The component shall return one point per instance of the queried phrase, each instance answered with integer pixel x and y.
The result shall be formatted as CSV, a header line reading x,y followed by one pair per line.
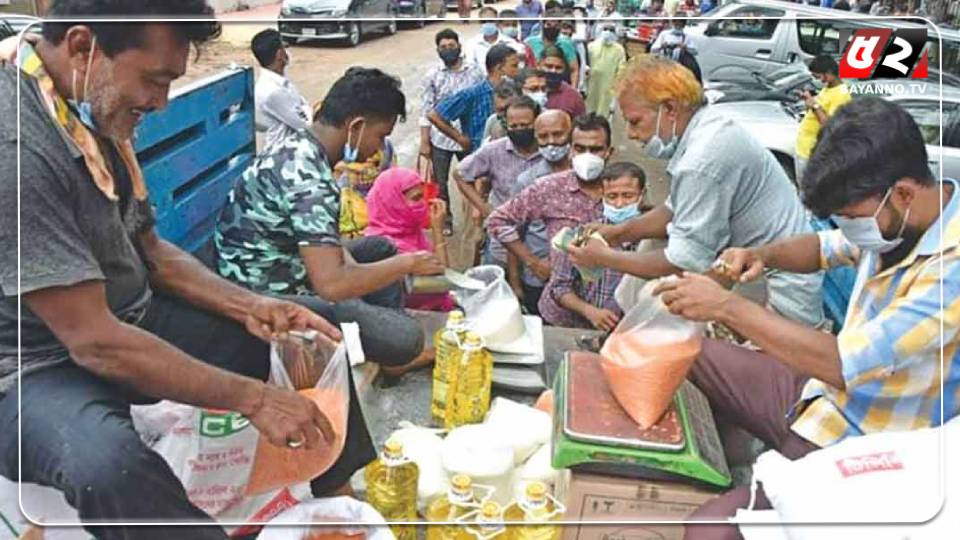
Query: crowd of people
x,y
324,226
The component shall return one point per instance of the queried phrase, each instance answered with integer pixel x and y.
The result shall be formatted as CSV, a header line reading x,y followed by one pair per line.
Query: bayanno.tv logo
x,y
883,53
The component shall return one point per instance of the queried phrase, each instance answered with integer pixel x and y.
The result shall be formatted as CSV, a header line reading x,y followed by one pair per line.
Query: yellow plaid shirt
x,y
890,345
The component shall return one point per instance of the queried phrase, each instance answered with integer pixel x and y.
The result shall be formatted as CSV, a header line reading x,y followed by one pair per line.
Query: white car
x,y
775,124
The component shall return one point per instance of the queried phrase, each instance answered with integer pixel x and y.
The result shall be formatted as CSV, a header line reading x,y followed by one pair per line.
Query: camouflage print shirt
x,y
286,199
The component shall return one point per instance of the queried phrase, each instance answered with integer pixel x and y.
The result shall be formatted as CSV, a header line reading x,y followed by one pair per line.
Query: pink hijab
x,y
391,215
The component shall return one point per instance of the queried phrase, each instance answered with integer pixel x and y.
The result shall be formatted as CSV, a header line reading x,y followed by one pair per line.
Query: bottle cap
x,y
455,317
472,340
461,482
536,491
490,510
393,449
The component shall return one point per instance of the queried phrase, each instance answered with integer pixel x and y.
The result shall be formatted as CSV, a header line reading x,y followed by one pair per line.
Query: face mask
x,y
608,36
350,152
450,56
618,215
864,232
551,34
554,153
540,98
521,138
554,79
588,166
82,106
511,31
489,29
418,211
655,147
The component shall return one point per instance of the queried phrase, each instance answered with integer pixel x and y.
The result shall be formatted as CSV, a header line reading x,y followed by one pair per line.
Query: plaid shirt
x,y
890,345
471,106
565,278
440,83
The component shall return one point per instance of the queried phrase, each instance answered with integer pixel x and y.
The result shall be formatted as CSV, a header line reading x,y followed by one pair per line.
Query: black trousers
x,y
78,436
441,170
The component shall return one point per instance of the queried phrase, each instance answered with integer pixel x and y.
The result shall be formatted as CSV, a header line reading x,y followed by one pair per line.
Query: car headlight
x,y
338,12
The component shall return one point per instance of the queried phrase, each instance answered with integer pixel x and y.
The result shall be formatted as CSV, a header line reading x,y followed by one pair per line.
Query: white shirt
x,y
668,38
477,49
278,105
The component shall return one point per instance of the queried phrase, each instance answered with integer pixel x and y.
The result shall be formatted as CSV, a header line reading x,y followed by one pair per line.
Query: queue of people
x,y
113,315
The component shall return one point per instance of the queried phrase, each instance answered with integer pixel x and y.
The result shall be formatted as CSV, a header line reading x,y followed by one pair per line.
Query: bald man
x,y
552,130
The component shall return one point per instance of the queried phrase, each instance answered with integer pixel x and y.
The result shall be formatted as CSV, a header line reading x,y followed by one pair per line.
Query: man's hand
x,y
602,319
610,233
438,213
289,419
426,150
588,255
464,142
423,263
694,296
740,264
271,317
541,269
809,99
477,217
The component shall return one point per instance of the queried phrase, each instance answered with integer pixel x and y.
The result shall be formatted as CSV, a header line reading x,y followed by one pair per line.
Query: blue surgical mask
x,y
655,147
350,152
489,29
618,215
608,36
864,232
83,107
511,31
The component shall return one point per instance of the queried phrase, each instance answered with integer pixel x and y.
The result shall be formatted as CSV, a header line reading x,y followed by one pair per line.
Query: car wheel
x,y
422,13
354,34
287,41
392,27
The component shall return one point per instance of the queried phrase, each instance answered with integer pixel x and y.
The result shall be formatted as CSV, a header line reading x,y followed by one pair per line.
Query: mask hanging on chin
x,y
352,153
618,215
865,233
81,106
655,147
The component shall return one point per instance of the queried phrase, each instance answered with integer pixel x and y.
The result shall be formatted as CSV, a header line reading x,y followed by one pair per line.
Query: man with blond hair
x,y
726,190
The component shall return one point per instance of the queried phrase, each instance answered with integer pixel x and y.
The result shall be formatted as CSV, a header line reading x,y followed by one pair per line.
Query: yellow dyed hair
x,y
655,79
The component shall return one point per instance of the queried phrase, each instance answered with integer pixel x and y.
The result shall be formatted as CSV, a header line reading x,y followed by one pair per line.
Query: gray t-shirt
x,y
727,190
69,231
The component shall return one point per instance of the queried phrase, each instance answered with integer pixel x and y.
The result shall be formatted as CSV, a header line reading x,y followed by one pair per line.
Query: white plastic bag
x,y
422,446
483,455
537,469
647,357
494,313
524,428
357,518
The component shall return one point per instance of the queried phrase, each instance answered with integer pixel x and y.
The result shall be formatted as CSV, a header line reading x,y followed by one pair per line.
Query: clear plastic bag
x,y
647,357
317,368
494,313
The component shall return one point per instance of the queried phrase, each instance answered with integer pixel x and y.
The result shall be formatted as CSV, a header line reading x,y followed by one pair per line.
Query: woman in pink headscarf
x,y
397,210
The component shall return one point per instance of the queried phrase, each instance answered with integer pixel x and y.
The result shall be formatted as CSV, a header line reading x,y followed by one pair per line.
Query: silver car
x,y
775,124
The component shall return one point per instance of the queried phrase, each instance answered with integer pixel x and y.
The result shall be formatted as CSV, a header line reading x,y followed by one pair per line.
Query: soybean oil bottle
x,y
488,524
392,488
459,501
468,394
535,508
445,341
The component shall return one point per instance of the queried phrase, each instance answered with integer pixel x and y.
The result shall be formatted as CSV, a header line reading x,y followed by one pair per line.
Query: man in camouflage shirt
x,y
278,233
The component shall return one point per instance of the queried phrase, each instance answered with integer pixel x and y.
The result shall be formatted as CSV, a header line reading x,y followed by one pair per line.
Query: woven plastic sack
x,y
355,521
647,357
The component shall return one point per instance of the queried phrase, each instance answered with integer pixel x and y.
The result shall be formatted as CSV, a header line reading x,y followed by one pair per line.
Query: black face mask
x,y
553,80
550,34
521,138
450,56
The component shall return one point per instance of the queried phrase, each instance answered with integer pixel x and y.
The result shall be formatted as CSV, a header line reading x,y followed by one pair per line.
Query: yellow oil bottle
x,y
468,394
536,508
459,501
488,524
392,489
445,341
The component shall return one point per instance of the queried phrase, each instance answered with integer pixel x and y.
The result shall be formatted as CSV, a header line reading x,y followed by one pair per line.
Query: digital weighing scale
x,y
592,432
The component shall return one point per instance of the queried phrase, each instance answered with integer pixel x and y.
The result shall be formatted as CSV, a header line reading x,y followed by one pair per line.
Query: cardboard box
x,y
595,498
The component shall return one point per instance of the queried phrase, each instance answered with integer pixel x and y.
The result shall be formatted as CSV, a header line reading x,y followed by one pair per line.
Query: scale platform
x,y
592,432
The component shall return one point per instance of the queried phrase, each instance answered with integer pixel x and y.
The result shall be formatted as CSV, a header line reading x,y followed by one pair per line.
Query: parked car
x,y
336,19
12,24
420,9
775,124
784,84
731,48
453,4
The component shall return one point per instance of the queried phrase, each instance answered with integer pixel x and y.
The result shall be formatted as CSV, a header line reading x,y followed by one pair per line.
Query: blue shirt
x,y
471,106
533,10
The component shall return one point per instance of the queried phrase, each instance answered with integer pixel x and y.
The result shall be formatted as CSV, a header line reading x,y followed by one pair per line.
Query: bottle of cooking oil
x,y
536,508
489,524
468,394
445,342
458,502
392,488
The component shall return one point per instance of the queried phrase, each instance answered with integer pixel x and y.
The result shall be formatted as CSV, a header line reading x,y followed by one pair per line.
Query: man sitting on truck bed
x,y
111,314
279,231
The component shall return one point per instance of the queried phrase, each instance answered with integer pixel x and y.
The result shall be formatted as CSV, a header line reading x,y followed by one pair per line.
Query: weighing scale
x,y
592,432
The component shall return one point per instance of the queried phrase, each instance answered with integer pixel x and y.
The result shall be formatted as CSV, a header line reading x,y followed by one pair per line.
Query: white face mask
x,y
540,98
864,232
655,147
588,166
